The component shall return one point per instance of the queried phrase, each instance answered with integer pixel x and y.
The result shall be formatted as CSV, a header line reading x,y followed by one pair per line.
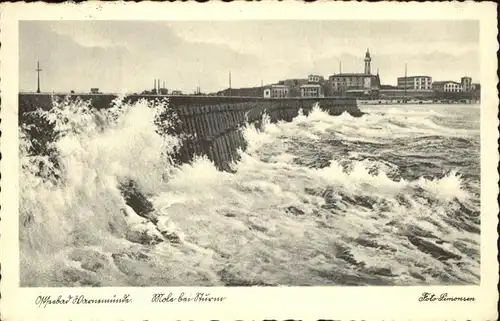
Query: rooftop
x,y
353,74
445,82
415,77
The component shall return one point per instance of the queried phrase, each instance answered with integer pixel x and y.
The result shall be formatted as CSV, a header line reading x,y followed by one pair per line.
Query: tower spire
x,y
38,76
368,60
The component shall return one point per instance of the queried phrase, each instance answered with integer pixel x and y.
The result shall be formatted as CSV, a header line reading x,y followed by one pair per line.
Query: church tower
x,y
368,60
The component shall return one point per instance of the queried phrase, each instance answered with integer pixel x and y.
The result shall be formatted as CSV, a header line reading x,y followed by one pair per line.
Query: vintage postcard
x,y
249,161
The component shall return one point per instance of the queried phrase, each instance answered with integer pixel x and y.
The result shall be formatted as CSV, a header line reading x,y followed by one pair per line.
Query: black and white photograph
x,y
233,159
249,153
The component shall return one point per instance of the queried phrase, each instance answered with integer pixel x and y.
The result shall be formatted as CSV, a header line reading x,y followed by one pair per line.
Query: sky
x,y
126,56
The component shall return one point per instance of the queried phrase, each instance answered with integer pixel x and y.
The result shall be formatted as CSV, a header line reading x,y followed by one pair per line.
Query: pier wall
x,y
209,125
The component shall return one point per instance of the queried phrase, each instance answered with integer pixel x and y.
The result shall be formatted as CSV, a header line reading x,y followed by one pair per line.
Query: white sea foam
x,y
273,221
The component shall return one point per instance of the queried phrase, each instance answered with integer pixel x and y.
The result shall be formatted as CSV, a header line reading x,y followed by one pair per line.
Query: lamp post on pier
x,y
38,76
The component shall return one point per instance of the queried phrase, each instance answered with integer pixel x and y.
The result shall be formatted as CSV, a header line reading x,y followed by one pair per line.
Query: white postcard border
x,y
299,303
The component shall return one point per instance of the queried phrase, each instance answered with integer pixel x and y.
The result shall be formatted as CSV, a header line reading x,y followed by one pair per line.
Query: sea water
x,y
389,198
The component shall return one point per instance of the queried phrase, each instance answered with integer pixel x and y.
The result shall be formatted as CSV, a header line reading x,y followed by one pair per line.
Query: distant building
x,y
311,90
415,83
293,85
315,79
176,93
276,91
354,81
280,91
447,86
475,87
94,90
466,83
362,82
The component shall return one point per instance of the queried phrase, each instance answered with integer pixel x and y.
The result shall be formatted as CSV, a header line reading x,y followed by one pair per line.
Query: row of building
x,y
426,83
363,84
316,86
283,91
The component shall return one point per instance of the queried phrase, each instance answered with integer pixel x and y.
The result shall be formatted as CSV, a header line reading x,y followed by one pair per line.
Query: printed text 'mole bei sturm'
x,y
183,297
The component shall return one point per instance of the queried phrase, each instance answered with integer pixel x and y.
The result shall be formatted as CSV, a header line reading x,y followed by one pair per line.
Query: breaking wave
x,y
391,198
